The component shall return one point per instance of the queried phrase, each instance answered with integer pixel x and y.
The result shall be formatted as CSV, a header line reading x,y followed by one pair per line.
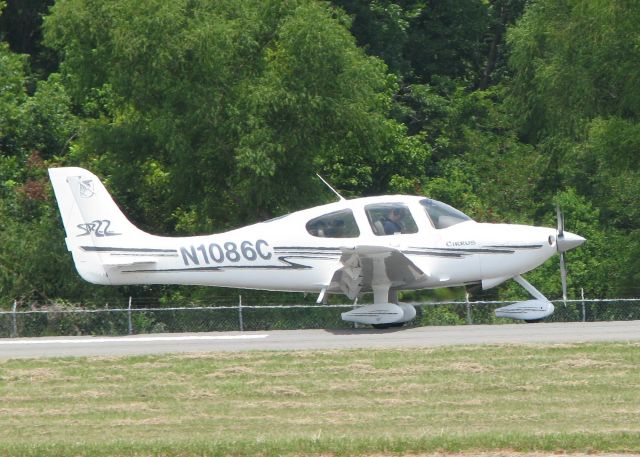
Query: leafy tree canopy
x,y
219,105
208,115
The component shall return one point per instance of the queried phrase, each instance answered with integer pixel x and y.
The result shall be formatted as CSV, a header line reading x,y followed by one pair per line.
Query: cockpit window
x,y
390,219
340,224
443,215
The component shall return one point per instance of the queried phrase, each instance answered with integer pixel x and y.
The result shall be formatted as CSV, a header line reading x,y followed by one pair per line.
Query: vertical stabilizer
x,y
92,221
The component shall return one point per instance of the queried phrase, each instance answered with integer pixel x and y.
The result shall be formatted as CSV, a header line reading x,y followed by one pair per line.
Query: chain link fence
x,y
58,320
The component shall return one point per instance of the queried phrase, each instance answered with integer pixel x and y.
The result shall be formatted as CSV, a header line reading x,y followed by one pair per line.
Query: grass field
x,y
583,397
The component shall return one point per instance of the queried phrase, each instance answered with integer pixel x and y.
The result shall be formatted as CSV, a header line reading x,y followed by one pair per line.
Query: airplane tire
x,y
384,326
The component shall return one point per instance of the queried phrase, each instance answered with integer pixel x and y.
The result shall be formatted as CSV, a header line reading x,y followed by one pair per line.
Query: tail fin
x,y
93,222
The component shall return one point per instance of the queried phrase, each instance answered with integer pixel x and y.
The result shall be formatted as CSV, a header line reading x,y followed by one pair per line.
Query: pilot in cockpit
x,y
392,223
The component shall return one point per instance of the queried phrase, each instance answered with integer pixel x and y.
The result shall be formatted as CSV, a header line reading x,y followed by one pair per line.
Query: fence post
x,y
129,317
469,318
240,313
584,312
14,321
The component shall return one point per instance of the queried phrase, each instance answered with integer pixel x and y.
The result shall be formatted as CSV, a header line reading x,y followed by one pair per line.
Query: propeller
x,y
564,242
559,239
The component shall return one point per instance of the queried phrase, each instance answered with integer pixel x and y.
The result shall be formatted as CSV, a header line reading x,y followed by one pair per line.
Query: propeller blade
x,y
563,276
565,242
560,217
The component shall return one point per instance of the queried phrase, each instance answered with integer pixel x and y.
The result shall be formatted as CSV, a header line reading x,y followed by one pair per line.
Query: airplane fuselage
x,y
283,254
374,244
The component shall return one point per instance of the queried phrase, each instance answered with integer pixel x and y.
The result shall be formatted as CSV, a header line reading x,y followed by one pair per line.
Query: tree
x,y
575,90
574,61
34,131
223,111
422,40
20,27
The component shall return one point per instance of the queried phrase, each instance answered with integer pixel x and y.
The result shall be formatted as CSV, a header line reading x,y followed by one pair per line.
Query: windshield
x,y
443,215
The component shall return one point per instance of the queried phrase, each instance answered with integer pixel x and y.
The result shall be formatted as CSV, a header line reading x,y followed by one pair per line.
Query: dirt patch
x,y
361,368
582,362
144,421
137,406
18,411
151,365
231,371
284,391
31,375
470,367
199,394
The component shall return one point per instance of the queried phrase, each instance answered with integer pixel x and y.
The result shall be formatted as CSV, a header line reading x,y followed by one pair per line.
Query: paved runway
x,y
546,333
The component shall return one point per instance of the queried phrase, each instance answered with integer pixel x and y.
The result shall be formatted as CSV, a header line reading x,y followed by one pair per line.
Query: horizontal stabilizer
x,y
128,264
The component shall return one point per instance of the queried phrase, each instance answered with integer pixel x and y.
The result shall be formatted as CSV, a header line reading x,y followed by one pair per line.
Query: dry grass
x,y
544,398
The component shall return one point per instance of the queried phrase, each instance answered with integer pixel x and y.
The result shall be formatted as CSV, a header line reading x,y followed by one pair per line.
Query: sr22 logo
x,y
99,228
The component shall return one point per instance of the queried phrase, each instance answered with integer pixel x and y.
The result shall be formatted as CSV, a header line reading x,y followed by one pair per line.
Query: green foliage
x,y
20,27
575,91
12,95
423,41
382,28
226,98
573,61
35,130
471,137
441,315
605,166
204,116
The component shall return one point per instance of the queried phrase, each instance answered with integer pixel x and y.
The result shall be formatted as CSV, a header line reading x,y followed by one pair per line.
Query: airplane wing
x,y
365,266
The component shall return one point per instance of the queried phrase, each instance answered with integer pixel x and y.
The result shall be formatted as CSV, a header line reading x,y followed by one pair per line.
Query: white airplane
x,y
375,244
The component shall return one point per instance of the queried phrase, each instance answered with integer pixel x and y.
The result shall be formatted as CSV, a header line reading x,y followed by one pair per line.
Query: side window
x,y
340,224
390,218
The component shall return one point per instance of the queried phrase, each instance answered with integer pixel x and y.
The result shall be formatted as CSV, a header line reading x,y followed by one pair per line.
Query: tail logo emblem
x,y
99,228
86,188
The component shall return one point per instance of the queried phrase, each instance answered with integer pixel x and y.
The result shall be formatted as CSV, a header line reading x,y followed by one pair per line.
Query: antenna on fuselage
x,y
329,186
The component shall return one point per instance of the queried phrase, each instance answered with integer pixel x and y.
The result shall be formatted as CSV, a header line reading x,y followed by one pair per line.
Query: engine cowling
x,y
529,310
